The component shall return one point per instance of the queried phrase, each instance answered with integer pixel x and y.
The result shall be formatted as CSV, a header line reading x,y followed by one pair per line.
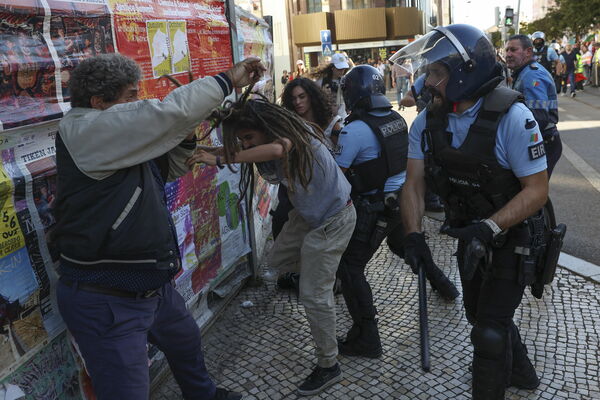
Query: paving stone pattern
x,y
264,351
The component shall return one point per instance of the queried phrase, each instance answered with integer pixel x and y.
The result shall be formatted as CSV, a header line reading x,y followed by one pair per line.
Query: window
x,y
352,4
395,3
313,6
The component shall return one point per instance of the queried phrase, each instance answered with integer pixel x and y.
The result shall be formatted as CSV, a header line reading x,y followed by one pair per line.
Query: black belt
x,y
109,291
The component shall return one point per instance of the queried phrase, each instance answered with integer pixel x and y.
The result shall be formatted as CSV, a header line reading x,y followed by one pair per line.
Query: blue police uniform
x,y
515,140
491,298
357,143
537,86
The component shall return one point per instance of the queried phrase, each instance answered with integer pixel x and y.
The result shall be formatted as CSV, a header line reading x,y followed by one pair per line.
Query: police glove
x,y
480,231
416,251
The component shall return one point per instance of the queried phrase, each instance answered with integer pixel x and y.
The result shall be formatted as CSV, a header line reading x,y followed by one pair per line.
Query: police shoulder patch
x,y
529,124
536,151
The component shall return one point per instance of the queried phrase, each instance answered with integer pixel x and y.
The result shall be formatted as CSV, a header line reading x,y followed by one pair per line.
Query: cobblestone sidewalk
x,y
264,351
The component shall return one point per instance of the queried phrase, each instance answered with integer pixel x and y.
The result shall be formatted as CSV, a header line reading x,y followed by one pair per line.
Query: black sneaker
x,y
289,281
573,94
224,394
320,379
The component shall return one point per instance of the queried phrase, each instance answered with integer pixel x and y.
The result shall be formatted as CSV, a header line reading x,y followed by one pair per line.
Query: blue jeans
x,y
402,87
112,334
571,80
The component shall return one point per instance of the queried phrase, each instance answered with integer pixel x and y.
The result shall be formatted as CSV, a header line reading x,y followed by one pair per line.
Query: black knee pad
x,y
490,341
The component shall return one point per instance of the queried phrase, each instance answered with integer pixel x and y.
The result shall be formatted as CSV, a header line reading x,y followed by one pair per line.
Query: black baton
x,y
423,323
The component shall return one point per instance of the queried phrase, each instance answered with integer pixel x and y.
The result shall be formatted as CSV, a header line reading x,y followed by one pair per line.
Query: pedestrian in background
x,y
287,151
402,80
284,77
300,69
586,62
328,79
118,247
569,58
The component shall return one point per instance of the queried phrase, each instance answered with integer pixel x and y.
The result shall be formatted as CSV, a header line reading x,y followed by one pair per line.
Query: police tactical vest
x,y
392,134
469,179
542,58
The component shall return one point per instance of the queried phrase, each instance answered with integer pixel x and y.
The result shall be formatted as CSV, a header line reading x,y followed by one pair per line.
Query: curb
x,y
580,267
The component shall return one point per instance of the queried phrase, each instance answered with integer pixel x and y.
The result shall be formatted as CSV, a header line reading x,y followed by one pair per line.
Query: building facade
x,y
364,29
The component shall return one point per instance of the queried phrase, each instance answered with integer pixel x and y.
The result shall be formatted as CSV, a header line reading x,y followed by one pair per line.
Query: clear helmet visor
x,y
419,56
440,56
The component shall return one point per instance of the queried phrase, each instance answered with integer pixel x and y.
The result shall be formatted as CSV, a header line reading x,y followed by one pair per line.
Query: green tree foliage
x,y
575,17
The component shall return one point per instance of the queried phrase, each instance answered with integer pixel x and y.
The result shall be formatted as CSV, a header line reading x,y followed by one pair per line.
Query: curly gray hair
x,y
104,75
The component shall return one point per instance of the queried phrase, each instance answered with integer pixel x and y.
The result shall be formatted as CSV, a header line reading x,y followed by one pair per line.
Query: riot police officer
x,y
371,151
544,55
474,144
537,86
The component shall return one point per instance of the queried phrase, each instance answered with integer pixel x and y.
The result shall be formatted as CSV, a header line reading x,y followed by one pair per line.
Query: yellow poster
x,y
158,40
11,237
180,53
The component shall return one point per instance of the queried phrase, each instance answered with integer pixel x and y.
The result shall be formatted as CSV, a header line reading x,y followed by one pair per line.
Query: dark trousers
x,y
351,271
112,334
553,147
490,304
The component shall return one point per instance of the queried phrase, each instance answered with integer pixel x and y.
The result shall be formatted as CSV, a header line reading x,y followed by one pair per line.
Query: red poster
x,y
174,38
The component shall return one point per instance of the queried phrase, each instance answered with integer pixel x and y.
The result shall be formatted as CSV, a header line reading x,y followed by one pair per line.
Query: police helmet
x,y
464,50
538,38
363,87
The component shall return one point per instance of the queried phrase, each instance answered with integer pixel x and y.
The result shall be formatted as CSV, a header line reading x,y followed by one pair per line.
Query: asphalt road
x,y
576,200
575,183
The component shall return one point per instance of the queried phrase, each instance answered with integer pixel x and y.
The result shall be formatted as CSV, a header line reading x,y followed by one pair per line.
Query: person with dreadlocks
x,y
309,101
285,149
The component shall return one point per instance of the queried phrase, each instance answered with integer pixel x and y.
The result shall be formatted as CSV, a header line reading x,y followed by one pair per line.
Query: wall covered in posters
x,y
41,42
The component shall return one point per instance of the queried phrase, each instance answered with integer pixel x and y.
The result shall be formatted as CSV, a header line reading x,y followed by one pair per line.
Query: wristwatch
x,y
496,230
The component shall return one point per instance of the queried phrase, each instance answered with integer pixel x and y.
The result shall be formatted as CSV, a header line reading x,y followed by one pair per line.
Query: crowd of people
x,y
352,175
572,66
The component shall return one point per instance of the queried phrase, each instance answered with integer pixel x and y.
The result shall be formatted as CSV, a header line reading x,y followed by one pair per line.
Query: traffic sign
x,y
326,46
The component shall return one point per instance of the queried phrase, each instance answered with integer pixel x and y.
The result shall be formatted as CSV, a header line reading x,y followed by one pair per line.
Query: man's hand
x,y
246,72
201,156
480,231
416,251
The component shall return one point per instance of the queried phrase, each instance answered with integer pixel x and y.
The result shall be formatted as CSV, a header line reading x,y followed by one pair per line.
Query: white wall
x,y
281,40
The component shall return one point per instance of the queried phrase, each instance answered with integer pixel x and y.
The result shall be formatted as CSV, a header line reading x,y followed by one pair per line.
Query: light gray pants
x,y
316,253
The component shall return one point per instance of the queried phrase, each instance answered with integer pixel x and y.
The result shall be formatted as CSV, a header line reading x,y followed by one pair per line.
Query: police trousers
x,y
112,334
363,244
490,303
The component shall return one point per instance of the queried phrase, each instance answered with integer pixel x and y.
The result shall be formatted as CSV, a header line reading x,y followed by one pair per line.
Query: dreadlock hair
x,y
319,102
276,123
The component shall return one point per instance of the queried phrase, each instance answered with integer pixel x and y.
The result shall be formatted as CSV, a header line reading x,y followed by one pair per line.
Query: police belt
x,y
517,237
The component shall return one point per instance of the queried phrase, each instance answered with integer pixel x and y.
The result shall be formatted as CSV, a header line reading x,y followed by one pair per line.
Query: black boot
x,y
362,342
523,374
488,383
441,283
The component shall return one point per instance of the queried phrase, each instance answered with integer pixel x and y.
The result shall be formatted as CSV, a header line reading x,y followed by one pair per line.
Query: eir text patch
x,y
536,151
